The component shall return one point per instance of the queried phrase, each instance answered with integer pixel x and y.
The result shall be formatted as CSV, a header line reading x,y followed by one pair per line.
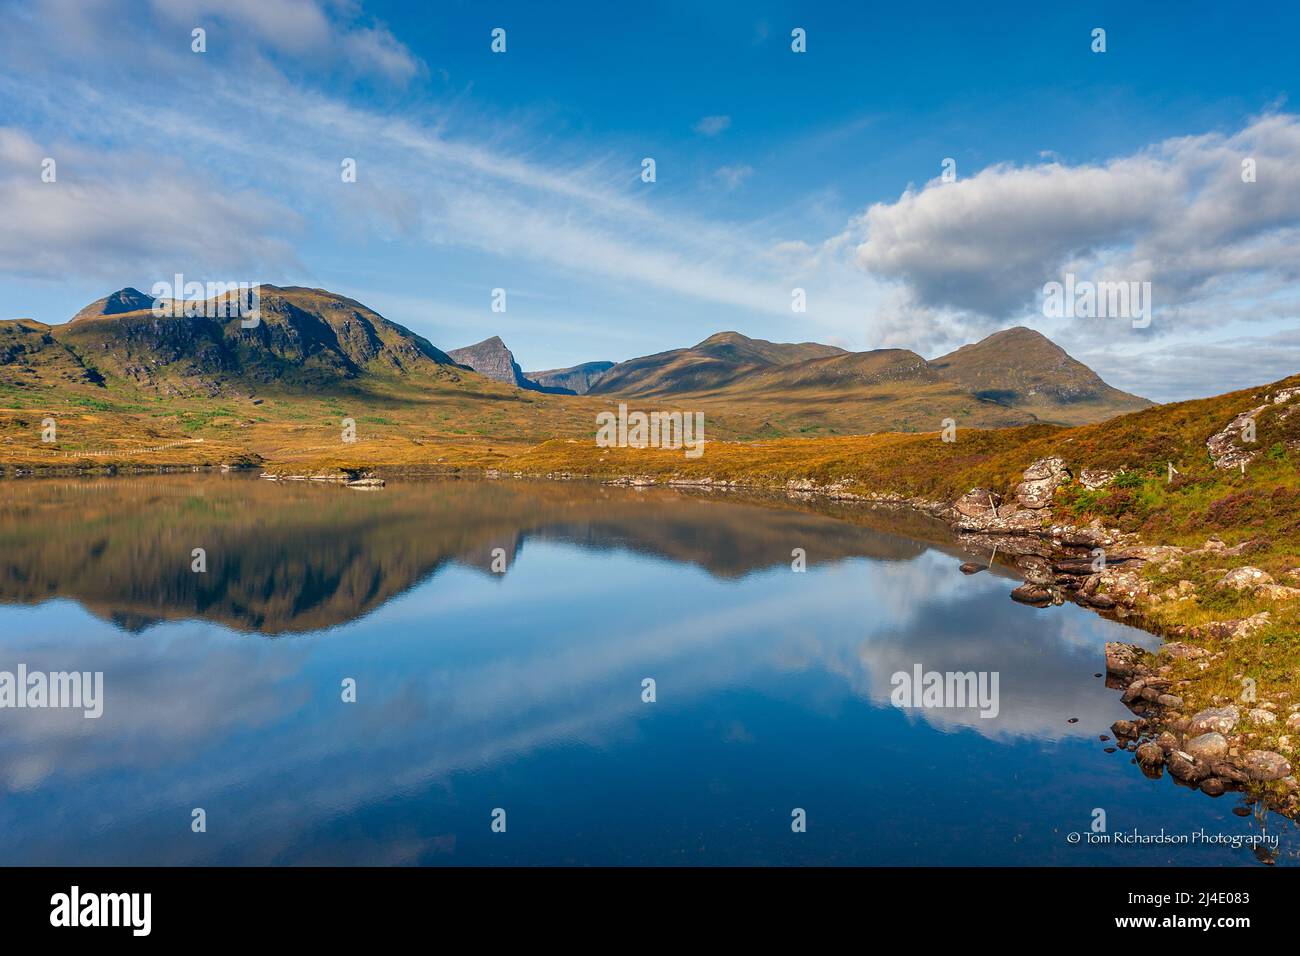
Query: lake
x,y
498,636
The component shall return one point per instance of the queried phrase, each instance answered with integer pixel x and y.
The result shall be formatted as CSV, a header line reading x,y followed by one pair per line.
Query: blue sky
x,y
775,170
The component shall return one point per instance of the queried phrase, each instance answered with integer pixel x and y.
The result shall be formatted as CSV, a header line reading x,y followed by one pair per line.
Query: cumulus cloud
x,y
1177,214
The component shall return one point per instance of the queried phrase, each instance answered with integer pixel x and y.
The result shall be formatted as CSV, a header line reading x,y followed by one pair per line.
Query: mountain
x,y
575,380
493,360
305,338
718,361
1013,377
1022,367
119,376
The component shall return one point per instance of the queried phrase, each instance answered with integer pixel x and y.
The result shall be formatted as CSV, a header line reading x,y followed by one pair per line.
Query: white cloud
x,y
712,125
732,176
110,215
1177,214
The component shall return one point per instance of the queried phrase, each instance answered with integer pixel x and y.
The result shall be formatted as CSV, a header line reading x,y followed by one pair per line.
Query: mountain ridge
x,y
314,341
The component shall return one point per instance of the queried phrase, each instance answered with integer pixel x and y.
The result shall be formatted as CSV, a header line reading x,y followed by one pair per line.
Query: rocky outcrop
x,y
1040,481
491,359
1209,750
1228,446
1257,582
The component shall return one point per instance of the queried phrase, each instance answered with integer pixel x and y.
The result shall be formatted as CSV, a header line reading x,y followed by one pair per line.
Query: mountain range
x,y
311,342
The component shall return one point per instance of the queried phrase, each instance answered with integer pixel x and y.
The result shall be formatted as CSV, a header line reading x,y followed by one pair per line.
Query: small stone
x,y
1261,716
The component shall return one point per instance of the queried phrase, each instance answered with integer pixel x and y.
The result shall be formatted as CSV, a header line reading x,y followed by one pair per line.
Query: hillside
x,y
1024,369
1013,377
129,387
720,360
306,338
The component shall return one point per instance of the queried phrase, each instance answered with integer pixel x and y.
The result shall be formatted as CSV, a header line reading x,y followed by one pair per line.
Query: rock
x,y
1225,445
1244,579
1094,478
1180,651
970,567
1171,701
1293,722
1207,747
1133,691
978,503
1182,766
1261,716
1034,594
1040,481
1229,630
1124,660
1167,741
1124,728
1217,719
1150,755
1226,768
1265,765
1035,570
1124,587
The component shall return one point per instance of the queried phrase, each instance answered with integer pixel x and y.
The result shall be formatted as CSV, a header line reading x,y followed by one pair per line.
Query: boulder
x,y
1034,594
978,503
1218,720
1244,579
1150,755
1040,481
1264,765
1207,747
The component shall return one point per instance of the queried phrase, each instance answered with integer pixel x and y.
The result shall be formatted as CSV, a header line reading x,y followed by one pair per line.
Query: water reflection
x,y
523,689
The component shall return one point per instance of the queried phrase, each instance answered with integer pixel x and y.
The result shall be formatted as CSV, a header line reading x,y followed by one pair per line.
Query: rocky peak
x,y
491,359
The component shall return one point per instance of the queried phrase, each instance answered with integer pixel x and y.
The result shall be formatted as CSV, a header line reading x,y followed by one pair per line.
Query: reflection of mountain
x,y
291,557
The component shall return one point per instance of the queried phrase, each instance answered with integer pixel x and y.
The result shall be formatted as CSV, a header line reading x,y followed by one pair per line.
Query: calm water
x,y
522,690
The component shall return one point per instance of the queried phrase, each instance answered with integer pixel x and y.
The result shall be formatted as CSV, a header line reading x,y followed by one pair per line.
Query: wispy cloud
x,y
713,125
733,176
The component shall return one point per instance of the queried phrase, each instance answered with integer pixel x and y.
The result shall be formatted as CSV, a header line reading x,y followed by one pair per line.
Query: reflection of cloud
x,y
159,700
451,678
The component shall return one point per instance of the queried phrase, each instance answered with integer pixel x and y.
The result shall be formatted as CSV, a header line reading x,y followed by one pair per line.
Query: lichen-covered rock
x,y
1219,720
1244,579
1094,478
1264,765
1040,481
1150,755
978,503
1207,747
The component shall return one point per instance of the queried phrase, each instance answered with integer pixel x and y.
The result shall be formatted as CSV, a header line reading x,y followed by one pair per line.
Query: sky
x,y
774,170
